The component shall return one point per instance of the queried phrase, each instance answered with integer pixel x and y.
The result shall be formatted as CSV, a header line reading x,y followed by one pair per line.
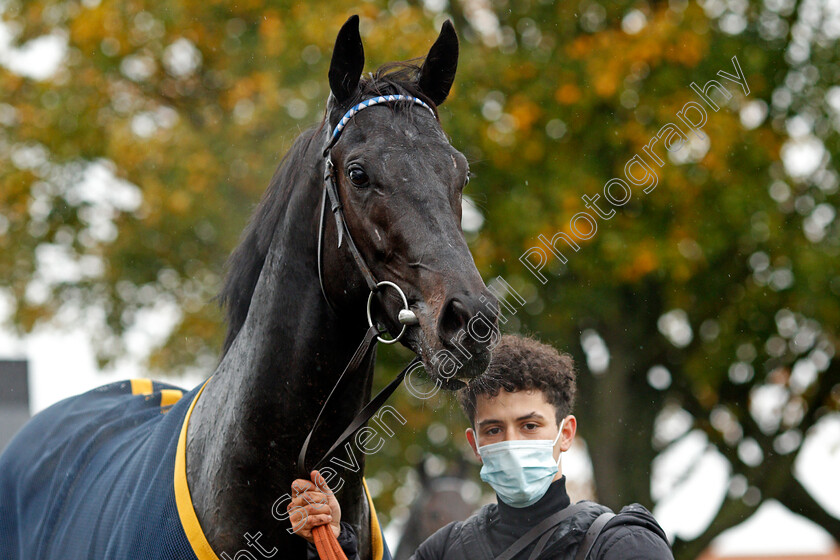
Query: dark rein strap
x,y
359,357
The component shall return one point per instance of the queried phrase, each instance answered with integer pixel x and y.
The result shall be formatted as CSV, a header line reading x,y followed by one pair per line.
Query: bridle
x,y
406,316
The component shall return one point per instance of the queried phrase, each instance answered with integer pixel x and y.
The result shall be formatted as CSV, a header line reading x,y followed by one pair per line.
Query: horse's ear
x,y
348,61
438,71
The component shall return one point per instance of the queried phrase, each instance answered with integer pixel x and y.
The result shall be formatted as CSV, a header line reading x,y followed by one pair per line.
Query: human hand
x,y
313,504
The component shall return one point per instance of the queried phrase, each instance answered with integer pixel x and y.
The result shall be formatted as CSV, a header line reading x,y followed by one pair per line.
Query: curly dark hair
x,y
521,363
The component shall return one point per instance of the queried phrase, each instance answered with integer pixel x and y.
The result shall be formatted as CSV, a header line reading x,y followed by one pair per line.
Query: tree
x,y
716,287
730,245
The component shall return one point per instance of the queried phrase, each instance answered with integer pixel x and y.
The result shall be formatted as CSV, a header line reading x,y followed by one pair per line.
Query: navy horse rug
x,y
103,476
94,476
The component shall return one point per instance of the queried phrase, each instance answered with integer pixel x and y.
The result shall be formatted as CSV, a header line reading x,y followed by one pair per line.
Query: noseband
x,y
406,316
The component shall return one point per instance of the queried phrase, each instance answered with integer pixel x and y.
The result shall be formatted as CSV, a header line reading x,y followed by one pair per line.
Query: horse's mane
x,y
246,261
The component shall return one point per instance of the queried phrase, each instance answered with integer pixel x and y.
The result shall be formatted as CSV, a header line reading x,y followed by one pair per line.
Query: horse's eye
x,y
358,176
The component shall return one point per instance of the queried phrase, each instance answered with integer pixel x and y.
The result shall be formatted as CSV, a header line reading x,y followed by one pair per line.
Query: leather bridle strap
x,y
341,224
331,192
341,227
360,356
370,408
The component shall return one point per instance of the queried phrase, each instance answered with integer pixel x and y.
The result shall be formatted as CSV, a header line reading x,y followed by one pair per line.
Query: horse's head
x,y
399,182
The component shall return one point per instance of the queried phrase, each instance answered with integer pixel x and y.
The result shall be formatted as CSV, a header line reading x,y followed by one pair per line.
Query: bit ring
x,y
405,308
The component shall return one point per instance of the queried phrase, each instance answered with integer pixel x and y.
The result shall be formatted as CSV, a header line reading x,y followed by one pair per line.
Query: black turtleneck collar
x,y
518,519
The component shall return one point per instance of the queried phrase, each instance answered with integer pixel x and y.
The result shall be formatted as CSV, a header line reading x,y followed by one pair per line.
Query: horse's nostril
x,y
455,317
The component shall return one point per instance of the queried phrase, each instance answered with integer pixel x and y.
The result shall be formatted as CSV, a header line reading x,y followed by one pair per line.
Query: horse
x,y
440,500
143,470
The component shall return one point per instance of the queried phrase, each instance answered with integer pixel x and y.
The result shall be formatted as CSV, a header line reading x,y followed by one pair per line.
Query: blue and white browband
x,y
369,103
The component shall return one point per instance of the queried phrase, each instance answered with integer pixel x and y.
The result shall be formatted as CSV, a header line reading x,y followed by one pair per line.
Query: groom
x,y
520,423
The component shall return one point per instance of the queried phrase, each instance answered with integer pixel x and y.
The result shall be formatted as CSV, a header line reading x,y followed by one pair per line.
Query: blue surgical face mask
x,y
520,471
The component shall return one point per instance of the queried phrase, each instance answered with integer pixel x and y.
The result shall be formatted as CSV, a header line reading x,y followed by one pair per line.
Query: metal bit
x,y
407,317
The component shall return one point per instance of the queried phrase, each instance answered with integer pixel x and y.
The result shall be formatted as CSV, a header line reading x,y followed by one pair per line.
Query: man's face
x,y
518,415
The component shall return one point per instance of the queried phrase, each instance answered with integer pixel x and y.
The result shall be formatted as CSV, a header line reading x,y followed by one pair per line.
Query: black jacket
x,y
632,534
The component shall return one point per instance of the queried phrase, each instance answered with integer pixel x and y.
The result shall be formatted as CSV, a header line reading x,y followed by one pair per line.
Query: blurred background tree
x,y
707,309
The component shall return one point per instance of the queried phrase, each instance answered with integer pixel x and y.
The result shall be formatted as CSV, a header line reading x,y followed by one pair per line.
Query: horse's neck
x,y
253,416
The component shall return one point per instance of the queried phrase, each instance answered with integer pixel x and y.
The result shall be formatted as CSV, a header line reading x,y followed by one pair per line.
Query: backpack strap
x,y
592,534
540,545
546,524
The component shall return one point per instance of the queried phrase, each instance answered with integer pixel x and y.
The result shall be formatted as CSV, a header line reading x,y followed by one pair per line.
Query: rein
x,y
325,542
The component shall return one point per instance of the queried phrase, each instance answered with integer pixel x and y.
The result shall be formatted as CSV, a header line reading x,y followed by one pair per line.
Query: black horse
x,y
293,326
440,500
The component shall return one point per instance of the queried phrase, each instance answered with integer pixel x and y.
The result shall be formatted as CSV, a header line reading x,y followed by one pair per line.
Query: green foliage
x,y
195,102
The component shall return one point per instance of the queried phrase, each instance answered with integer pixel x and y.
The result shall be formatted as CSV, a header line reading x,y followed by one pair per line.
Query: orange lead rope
x,y
327,544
